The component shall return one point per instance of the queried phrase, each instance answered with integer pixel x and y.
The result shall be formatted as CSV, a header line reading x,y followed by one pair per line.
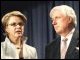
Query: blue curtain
x,y
38,28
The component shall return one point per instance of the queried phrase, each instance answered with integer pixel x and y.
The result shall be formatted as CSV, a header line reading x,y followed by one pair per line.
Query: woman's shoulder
x,y
3,43
29,47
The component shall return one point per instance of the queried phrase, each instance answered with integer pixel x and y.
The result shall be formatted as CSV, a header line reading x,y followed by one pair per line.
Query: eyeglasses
x,y
15,24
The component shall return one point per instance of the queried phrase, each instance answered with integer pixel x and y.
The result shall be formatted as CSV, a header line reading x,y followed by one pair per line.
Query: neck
x,y
66,32
16,40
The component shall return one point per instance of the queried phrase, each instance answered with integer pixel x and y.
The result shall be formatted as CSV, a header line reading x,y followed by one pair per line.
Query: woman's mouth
x,y
18,31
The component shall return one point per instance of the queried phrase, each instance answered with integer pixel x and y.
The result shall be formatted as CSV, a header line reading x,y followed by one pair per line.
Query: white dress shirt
x,y
69,37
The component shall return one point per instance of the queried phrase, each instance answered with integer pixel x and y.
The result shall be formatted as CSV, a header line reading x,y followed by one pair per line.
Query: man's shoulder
x,y
51,43
76,34
54,42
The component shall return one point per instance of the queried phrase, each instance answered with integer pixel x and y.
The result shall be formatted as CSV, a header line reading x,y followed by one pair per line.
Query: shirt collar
x,y
71,32
8,40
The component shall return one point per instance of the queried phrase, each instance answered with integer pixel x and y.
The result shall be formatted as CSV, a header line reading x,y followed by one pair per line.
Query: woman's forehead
x,y
15,19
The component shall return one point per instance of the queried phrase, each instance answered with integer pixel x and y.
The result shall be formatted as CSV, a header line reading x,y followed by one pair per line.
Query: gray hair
x,y
13,13
67,10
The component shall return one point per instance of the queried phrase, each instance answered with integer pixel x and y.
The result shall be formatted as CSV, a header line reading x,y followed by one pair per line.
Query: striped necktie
x,y
63,48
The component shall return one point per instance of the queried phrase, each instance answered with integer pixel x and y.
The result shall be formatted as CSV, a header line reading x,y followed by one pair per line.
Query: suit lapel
x,y
58,47
73,44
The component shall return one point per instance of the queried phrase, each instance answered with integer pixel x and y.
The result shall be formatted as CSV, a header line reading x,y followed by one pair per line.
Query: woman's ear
x,y
6,29
6,32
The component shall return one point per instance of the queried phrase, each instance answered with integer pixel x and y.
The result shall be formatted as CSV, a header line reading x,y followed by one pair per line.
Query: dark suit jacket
x,y
52,50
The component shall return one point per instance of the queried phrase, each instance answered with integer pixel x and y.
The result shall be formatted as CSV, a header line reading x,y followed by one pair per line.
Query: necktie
x,y
63,48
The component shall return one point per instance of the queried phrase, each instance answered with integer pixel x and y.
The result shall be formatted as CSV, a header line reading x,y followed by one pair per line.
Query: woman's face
x,y
15,27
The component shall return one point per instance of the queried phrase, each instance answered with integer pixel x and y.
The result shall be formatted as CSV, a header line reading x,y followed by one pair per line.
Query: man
x,y
64,21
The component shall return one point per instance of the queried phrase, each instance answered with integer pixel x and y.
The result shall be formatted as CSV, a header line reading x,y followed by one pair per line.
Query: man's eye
x,y
58,17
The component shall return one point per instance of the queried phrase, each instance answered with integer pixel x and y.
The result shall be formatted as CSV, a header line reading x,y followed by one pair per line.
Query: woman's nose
x,y
18,26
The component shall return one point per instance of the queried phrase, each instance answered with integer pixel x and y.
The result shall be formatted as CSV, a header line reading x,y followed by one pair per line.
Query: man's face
x,y
60,22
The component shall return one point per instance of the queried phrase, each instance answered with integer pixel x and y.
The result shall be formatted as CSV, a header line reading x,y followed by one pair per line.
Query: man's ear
x,y
70,19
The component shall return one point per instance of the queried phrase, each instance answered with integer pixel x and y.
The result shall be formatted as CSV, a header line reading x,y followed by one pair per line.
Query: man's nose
x,y
54,22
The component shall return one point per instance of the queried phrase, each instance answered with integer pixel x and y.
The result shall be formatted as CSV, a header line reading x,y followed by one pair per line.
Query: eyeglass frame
x,y
15,24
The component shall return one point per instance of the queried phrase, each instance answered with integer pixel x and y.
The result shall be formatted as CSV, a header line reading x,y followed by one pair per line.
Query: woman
x,y
14,46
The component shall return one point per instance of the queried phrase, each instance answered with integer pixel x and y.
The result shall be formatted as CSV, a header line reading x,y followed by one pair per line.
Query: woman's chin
x,y
19,35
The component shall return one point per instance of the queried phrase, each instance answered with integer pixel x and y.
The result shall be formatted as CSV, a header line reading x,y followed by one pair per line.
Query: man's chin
x,y
58,32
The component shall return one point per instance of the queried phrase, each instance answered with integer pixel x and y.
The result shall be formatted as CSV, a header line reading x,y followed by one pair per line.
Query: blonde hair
x,y
67,10
13,13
